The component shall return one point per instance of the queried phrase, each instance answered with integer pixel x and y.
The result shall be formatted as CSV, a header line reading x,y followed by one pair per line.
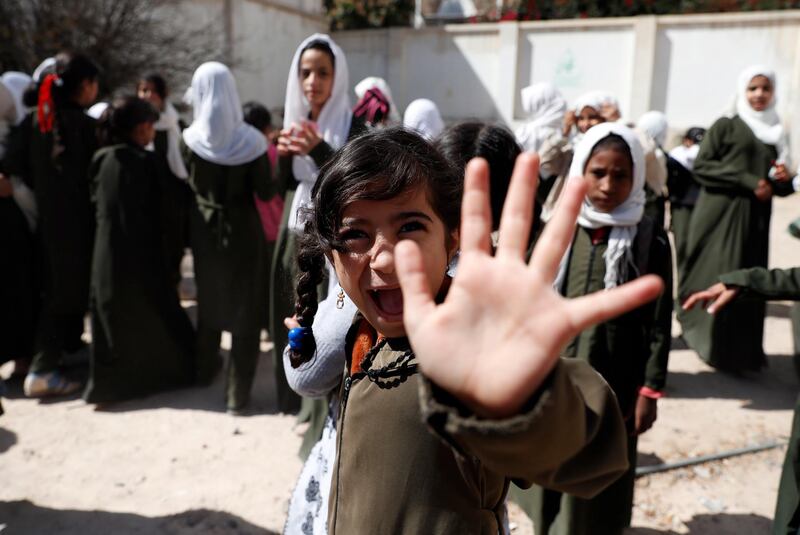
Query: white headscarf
x,y
766,125
218,133
545,107
96,110
423,116
168,121
654,124
333,122
48,66
624,218
596,100
686,155
17,83
373,81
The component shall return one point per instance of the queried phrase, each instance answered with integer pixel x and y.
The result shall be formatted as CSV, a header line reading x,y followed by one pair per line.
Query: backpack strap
x,y
644,239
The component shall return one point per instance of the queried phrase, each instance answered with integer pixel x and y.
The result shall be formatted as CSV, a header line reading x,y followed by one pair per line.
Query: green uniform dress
x,y
230,264
180,195
729,230
55,165
760,283
629,352
19,294
283,283
410,459
142,340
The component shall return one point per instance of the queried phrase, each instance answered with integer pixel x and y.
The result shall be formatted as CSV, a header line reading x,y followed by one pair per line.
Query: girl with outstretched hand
x,y
474,357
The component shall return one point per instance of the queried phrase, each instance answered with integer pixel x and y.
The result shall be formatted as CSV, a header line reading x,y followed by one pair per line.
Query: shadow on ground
x,y
24,517
210,398
721,524
7,441
774,388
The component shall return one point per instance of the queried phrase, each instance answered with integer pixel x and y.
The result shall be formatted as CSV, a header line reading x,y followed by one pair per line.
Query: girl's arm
x,y
263,184
316,378
502,318
717,165
757,282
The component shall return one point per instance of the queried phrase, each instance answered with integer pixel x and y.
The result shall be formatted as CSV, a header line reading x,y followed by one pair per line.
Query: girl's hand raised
x,y
501,328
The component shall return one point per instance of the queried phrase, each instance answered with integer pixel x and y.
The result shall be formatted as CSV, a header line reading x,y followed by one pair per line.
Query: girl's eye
x,y
351,235
412,226
598,173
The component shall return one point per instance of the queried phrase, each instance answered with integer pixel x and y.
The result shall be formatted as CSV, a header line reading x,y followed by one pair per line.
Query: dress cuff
x,y
648,392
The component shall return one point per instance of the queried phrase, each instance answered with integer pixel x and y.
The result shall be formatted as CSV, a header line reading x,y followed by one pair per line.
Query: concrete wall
x,y
685,66
260,36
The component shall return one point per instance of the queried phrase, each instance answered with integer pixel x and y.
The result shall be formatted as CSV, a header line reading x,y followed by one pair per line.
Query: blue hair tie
x,y
299,338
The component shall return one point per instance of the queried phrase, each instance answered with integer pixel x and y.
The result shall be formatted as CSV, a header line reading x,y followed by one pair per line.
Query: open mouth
x,y
389,302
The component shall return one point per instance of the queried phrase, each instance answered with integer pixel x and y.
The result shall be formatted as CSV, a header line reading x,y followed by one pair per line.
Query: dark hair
x,y
611,142
257,115
322,46
121,117
72,70
158,82
696,134
377,166
464,141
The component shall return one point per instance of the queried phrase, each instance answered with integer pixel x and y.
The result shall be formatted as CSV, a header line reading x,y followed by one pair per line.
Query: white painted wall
x,y
685,65
263,36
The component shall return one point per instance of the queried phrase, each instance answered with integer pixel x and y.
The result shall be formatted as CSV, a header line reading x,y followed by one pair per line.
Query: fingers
x,y
515,223
291,323
558,233
698,297
727,296
476,217
417,298
600,306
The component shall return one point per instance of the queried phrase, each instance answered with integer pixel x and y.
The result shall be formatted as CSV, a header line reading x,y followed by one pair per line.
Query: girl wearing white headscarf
x,y
227,162
317,121
423,116
613,244
544,107
374,82
742,163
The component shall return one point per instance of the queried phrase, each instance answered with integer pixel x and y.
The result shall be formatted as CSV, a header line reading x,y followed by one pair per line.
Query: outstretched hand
x,y
713,298
501,328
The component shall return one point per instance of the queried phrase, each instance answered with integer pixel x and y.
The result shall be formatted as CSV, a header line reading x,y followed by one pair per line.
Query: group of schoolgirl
x,y
119,197
378,468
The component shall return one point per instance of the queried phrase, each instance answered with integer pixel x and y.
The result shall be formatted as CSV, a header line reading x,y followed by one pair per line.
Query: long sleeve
x,y
717,165
573,424
766,283
323,373
661,330
262,178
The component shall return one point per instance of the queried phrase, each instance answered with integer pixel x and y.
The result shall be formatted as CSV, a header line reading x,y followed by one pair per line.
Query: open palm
x,y
500,330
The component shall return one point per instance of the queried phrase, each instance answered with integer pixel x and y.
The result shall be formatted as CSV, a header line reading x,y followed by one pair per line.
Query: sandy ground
x,y
177,464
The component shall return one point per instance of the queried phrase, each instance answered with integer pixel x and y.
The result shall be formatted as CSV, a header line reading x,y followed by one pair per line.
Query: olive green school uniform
x,y
283,283
629,352
411,460
761,283
178,218
729,230
230,264
142,340
55,168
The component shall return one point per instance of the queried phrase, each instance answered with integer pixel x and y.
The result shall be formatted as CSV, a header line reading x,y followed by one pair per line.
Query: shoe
x,y
39,385
794,228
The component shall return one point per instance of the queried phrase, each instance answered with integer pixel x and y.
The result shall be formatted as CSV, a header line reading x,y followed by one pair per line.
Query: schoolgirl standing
x,y
51,153
741,164
227,162
167,144
614,243
142,340
317,121
386,215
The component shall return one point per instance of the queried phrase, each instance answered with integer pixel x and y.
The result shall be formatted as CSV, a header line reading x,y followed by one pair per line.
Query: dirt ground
x,y
178,464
